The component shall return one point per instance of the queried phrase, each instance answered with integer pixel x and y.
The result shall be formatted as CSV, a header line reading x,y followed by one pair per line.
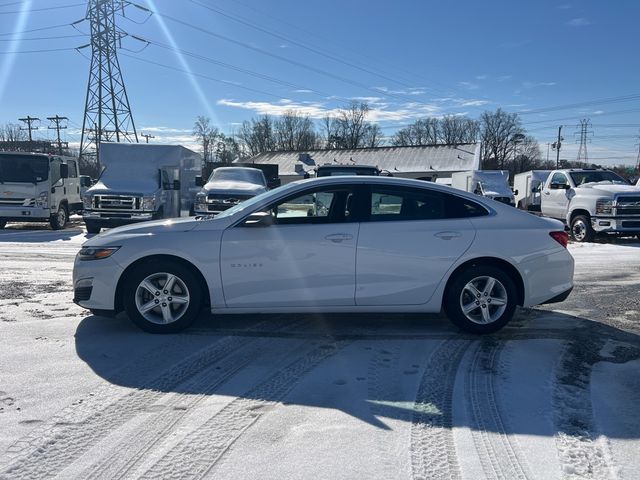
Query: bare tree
x,y
257,135
294,132
454,129
206,135
11,132
421,132
500,132
350,128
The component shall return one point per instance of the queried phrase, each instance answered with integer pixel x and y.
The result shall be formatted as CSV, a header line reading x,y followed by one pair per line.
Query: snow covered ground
x,y
555,395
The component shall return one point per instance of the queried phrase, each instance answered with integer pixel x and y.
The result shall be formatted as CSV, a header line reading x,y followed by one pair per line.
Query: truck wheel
x,y
92,227
481,299
3,223
162,297
59,220
581,229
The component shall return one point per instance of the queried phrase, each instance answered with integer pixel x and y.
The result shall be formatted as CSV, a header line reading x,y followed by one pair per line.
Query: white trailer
x,y
492,184
141,182
528,188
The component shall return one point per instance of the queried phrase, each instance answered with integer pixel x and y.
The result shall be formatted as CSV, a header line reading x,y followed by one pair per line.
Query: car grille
x,y
116,202
223,198
631,224
12,201
628,206
82,294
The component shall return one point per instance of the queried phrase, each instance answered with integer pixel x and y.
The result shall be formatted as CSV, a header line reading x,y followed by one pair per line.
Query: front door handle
x,y
447,235
339,237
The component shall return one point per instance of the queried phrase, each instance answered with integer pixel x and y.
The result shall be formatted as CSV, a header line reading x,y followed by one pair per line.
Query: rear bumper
x,y
559,298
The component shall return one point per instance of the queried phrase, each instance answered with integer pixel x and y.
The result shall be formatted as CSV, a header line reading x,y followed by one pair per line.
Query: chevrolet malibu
x,y
332,244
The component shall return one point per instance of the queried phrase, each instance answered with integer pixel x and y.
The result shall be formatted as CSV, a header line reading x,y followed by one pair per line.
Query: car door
x,y
410,240
305,258
555,200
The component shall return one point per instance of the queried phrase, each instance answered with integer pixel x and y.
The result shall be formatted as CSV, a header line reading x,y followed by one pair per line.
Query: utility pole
x,y
30,121
557,145
584,138
147,136
57,128
548,148
638,158
107,111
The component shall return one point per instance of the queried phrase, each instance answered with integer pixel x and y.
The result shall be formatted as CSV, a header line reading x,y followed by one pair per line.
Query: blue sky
x,y
408,59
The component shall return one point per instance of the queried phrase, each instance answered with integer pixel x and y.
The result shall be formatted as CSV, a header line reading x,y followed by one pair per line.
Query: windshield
x,y
23,168
248,204
250,175
580,178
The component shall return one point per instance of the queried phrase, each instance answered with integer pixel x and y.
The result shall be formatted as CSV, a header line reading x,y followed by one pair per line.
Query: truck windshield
x,y
239,175
23,168
580,178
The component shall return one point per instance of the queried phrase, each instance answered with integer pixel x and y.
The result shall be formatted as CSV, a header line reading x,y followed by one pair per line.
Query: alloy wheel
x,y
483,300
162,298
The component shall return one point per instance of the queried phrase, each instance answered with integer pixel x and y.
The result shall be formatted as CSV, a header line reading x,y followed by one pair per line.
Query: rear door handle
x,y
447,235
339,237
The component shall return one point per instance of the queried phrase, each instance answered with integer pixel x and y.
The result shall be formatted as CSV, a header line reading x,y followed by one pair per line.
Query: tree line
x,y
505,143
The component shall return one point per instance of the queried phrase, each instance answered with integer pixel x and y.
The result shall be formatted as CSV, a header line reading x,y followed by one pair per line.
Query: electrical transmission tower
x,y
107,114
584,138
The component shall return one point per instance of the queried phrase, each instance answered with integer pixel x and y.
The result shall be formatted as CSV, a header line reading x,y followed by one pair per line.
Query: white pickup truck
x,y
592,201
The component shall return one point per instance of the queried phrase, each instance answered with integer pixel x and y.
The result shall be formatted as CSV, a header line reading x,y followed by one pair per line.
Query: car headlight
x,y
149,203
43,199
96,253
604,206
87,202
201,200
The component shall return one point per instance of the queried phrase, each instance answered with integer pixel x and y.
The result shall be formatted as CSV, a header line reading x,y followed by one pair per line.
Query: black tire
x,y
581,229
134,293
3,223
457,293
59,219
92,227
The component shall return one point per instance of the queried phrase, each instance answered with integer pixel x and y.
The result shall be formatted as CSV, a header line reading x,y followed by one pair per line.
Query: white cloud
x,y
481,77
378,113
302,90
165,130
530,85
469,85
578,22
504,78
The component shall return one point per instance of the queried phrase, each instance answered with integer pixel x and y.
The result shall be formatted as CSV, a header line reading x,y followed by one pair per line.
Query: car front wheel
x,y
59,219
481,299
581,229
163,297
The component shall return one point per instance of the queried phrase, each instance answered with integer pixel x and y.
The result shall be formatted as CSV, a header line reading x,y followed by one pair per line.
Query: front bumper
x,y
116,219
618,224
94,283
20,213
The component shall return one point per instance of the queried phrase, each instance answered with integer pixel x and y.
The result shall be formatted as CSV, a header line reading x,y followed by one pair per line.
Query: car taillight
x,y
561,237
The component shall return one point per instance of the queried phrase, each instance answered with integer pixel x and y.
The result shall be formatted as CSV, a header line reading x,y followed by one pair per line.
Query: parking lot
x,y
554,395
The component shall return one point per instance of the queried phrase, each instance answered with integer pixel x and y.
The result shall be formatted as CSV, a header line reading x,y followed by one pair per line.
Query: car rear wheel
x,y
581,229
481,299
163,297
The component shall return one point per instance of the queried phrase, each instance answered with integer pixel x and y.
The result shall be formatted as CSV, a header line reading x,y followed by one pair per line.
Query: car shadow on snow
x,y
30,233
358,364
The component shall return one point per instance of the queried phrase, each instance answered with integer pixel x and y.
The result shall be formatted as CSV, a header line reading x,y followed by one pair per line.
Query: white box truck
x,y
492,184
528,187
141,182
37,187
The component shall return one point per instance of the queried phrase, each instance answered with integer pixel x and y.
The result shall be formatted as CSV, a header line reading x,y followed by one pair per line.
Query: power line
x,y
52,27
30,121
624,98
37,51
40,38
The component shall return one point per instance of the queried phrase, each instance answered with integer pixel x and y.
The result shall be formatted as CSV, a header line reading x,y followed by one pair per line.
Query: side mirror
x,y
176,184
258,219
64,170
199,181
515,192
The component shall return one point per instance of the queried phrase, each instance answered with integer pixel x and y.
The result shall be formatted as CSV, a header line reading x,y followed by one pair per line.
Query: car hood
x,y
497,191
606,187
234,186
140,229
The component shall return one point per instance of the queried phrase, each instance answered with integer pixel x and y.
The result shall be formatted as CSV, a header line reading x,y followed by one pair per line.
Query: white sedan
x,y
333,244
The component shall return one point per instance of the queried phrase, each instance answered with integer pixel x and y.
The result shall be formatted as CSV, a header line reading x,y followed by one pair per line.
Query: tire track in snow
x,y
196,455
582,454
48,450
433,453
500,455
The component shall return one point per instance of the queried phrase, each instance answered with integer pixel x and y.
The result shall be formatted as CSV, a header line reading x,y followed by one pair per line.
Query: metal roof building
x,y
430,162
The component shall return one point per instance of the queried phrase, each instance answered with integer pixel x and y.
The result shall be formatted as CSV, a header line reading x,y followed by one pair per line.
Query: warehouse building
x,y
435,163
